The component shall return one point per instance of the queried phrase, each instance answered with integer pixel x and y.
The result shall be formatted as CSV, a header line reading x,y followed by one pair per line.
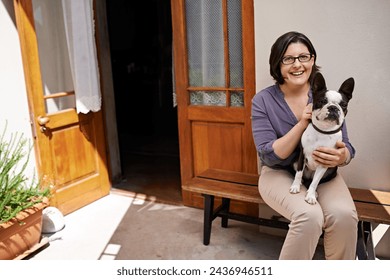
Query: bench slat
x,y
370,196
231,176
373,212
224,189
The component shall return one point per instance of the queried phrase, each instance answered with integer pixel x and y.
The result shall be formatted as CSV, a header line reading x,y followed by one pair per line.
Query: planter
x,y
22,233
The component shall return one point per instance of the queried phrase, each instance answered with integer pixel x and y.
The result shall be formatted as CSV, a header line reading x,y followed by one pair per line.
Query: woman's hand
x,y
306,115
331,157
285,145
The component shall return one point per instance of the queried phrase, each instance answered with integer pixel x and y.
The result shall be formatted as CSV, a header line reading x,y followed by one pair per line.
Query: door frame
x,y
107,91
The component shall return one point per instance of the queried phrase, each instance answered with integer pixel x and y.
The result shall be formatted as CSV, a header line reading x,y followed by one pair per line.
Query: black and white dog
x,y
328,113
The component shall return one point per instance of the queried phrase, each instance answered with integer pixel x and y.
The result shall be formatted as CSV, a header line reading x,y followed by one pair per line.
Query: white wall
x,y
352,38
14,105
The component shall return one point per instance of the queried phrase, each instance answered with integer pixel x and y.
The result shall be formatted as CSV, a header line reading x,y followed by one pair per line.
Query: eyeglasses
x,y
287,60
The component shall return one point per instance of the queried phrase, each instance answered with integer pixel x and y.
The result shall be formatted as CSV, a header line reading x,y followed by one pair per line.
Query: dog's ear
x,y
318,84
347,88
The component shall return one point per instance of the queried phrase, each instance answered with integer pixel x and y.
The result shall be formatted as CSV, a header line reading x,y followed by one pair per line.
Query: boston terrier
x,y
328,113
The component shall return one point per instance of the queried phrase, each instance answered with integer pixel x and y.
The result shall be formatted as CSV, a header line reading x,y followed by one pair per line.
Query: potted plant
x,y
21,199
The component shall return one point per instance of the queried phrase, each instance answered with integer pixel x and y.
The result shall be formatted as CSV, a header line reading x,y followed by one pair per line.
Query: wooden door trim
x,y
250,165
31,66
219,114
181,80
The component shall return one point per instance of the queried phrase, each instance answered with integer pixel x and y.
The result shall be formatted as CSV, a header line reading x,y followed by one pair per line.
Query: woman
x,y
280,114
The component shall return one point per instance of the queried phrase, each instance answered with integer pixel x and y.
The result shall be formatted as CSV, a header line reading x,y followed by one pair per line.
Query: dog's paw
x,y
295,188
311,197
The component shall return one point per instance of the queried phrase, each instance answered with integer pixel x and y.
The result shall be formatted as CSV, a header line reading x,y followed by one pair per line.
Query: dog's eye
x,y
343,104
323,102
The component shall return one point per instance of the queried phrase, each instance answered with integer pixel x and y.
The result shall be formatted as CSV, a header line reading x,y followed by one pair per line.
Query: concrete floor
x,y
123,227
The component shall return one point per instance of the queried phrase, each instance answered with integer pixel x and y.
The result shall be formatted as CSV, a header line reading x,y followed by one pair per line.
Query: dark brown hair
x,y
279,48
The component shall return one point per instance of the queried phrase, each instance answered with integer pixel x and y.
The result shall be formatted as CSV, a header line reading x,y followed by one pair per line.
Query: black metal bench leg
x,y
208,218
361,251
369,242
365,245
225,207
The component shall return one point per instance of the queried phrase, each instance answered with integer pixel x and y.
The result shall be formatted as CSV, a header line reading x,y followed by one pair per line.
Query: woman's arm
x,y
274,142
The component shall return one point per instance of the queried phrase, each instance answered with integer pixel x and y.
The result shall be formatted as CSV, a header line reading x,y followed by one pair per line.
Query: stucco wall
x,y
14,104
352,39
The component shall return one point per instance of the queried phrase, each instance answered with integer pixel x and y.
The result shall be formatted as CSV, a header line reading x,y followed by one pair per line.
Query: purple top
x,y
271,119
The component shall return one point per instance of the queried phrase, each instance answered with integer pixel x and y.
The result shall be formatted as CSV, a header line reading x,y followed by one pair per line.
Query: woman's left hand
x,y
331,157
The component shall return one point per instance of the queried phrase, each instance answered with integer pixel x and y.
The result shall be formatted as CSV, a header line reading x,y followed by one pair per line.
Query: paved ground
x,y
125,228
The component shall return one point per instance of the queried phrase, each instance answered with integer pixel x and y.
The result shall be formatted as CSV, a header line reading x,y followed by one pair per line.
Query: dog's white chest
x,y
312,139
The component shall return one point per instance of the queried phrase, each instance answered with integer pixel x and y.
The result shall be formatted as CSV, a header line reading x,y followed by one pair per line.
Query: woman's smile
x,y
297,73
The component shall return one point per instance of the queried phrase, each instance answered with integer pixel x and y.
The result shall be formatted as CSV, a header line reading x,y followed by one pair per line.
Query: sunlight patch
x,y
110,252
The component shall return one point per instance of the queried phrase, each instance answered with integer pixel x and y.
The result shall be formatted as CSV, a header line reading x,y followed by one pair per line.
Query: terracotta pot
x,y
21,233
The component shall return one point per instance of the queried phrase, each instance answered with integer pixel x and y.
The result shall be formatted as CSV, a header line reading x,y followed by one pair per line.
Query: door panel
x,y
215,83
74,150
69,147
212,148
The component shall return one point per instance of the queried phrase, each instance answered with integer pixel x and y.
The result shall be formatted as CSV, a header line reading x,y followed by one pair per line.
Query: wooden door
x,y
69,147
215,82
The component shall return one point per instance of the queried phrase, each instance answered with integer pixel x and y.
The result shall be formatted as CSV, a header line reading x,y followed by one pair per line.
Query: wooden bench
x,y
371,205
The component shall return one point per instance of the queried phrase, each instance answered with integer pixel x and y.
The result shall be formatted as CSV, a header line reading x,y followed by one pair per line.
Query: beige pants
x,y
334,213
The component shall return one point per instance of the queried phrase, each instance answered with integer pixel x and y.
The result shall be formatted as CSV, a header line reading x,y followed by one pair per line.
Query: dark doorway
x,y
141,54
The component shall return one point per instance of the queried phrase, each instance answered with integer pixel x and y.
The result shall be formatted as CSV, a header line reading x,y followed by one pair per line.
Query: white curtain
x,y
53,54
205,43
80,37
212,47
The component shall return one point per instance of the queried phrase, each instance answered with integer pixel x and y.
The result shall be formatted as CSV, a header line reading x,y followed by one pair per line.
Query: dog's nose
x,y
333,108
333,112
